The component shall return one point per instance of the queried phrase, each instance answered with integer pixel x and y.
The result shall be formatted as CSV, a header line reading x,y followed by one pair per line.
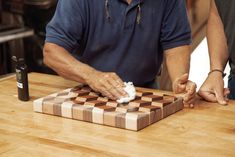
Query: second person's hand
x,y
213,89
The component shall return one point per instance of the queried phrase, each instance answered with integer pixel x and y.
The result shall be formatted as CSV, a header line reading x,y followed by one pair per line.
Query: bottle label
x,y
18,75
20,85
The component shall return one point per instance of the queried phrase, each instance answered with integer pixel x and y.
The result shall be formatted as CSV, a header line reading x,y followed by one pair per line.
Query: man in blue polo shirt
x,y
105,42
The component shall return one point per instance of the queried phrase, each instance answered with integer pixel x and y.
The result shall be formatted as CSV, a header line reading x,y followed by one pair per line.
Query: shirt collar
x,y
140,1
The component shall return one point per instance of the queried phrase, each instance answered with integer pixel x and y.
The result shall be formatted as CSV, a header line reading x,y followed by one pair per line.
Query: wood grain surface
x,y
208,130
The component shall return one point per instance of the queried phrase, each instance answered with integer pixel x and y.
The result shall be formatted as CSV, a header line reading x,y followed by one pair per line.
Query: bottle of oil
x,y
22,79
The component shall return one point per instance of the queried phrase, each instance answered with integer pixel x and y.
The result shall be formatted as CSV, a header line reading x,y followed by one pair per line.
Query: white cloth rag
x,y
130,89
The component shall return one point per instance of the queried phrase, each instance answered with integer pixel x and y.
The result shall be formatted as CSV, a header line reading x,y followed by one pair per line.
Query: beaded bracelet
x,y
223,74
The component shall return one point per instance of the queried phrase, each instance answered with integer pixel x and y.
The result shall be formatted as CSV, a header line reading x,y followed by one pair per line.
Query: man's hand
x,y
187,87
60,60
213,89
107,83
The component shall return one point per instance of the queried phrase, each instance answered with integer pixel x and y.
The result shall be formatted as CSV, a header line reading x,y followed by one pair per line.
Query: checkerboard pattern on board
x,y
81,103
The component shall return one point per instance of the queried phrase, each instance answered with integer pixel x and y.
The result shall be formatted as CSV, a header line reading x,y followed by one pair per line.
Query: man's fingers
x,y
190,103
180,84
110,90
118,85
107,94
183,79
226,92
188,96
108,84
113,85
191,92
180,88
104,87
208,95
117,88
215,96
220,97
117,80
192,88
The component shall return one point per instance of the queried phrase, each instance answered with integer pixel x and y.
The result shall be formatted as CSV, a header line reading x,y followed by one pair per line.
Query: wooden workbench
x,y
207,130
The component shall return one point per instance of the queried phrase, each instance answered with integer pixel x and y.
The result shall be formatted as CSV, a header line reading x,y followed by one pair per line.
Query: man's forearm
x,y
217,42
64,64
178,61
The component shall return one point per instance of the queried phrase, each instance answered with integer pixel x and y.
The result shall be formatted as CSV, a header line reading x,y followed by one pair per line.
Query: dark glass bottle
x,y
22,79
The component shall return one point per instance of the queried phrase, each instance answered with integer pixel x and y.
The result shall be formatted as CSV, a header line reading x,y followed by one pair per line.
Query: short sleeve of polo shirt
x,y
175,29
66,27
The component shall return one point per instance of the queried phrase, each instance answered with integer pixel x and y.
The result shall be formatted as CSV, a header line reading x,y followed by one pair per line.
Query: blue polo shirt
x,y
112,36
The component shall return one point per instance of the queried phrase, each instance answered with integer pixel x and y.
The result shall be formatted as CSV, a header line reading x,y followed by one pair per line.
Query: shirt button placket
x,y
125,18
